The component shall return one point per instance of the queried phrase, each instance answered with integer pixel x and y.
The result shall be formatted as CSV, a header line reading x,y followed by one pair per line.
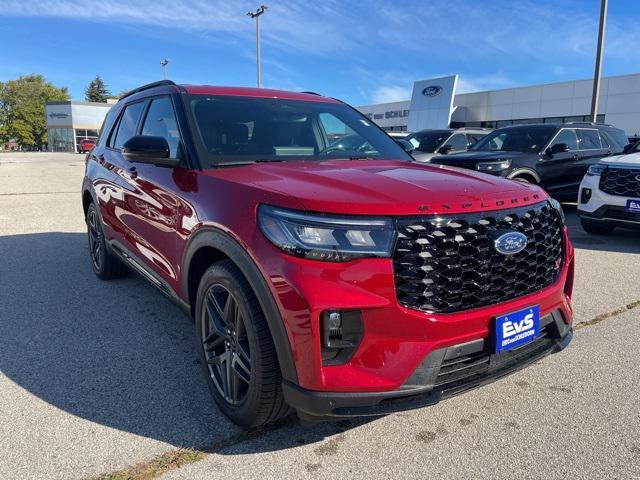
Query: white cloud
x,y
289,24
390,93
478,83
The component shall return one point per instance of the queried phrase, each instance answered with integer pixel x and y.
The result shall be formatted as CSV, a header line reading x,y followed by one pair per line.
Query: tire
x,y
236,350
105,265
596,228
524,179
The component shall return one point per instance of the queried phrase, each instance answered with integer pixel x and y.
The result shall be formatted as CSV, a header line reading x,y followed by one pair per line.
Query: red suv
x,y
85,145
334,279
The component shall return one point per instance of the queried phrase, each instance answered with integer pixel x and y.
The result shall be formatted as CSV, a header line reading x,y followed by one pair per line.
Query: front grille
x,y
448,264
624,182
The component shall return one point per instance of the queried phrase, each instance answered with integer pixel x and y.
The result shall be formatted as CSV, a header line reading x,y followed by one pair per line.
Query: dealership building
x,y
71,121
434,103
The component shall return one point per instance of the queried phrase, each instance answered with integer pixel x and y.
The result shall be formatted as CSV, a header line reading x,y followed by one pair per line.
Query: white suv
x,y
610,193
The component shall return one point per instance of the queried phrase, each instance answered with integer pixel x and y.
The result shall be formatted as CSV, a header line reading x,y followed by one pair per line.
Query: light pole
x,y
164,64
599,54
256,15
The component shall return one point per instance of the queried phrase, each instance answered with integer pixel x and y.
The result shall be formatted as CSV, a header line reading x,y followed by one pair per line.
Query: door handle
x,y
575,156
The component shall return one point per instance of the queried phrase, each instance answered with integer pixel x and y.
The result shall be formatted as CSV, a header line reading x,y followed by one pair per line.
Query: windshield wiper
x,y
267,160
361,157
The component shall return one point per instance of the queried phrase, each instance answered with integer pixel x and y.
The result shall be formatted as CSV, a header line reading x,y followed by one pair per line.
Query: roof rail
x,y
588,123
159,83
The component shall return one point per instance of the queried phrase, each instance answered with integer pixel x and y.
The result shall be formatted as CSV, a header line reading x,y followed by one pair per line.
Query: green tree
x,y
22,115
96,91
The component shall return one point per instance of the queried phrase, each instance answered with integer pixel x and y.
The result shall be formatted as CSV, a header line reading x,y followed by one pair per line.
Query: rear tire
x,y
596,228
236,350
105,265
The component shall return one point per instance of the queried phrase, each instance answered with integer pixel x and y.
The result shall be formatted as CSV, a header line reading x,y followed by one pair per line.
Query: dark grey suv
x,y
554,156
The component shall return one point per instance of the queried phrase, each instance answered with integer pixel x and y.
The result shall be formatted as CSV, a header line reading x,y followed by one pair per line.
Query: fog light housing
x,y
341,335
585,195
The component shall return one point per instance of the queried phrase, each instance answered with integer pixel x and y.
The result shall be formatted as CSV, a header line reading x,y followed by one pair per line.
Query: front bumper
x,y
603,207
443,373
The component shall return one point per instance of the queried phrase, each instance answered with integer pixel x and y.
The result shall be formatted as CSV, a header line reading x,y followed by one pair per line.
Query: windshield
x,y
237,130
428,141
526,139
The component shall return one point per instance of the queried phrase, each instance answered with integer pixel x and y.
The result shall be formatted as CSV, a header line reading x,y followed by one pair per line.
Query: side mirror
x,y
406,145
558,148
629,147
445,149
148,149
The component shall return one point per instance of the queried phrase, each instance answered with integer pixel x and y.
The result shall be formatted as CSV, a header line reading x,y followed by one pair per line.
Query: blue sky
x,y
360,51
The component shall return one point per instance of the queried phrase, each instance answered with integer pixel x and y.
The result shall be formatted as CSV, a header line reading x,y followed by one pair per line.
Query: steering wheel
x,y
364,147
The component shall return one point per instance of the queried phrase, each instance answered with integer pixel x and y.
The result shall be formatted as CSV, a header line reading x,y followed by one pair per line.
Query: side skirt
x,y
139,267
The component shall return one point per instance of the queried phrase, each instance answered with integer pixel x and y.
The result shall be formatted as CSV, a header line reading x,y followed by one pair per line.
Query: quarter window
x,y
567,136
161,122
589,139
128,124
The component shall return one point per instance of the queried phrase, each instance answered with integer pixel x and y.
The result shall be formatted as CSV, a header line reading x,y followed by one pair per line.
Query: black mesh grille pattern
x,y
621,181
448,264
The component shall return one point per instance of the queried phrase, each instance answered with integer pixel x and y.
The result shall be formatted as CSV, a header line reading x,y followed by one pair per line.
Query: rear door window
x,y
589,139
128,125
458,142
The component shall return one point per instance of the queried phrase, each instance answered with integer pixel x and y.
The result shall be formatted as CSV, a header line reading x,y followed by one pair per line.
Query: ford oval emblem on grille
x,y
432,90
638,178
510,243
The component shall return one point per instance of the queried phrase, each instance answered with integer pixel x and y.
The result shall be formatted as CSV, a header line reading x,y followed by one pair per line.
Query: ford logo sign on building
x,y
510,243
431,90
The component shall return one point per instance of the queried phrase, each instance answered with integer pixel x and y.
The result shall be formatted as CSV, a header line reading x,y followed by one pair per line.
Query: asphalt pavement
x,y
96,377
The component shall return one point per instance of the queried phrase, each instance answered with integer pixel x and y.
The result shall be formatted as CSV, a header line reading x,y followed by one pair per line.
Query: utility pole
x,y
261,9
164,64
599,55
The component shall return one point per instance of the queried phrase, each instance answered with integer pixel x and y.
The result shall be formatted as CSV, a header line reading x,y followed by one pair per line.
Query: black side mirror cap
x,y
149,149
406,145
445,149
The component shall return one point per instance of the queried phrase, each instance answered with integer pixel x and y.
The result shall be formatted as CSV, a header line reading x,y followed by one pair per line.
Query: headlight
x,y
596,170
493,166
328,238
556,205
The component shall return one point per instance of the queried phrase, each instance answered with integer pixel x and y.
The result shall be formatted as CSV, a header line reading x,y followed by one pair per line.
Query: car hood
x,y
376,187
630,160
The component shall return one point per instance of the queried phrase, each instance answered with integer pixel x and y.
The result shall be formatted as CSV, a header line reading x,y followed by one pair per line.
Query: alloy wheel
x,y
96,248
226,345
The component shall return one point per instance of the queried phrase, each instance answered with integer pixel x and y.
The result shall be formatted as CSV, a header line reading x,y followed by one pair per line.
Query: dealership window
x,y
61,140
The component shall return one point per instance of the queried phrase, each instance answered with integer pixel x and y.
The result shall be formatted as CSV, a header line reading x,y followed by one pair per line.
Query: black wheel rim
x,y
96,247
226,345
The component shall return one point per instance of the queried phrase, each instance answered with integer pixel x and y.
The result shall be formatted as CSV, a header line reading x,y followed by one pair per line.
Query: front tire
x,y
236,349
105,265
596,228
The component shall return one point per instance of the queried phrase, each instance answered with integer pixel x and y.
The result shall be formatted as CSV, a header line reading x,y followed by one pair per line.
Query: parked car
x,y
429,143
554,156
398,135
322,279
85,145
610,193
